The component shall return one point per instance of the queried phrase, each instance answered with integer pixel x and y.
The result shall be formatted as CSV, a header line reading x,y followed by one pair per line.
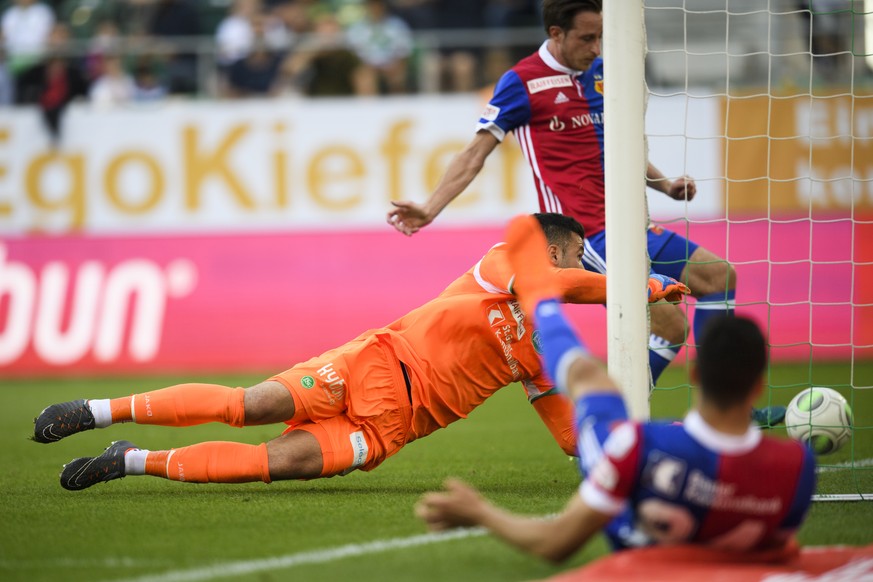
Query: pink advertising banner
x,y
260,303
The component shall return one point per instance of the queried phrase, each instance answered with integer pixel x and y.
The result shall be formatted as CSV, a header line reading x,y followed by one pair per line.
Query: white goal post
x,y
624,106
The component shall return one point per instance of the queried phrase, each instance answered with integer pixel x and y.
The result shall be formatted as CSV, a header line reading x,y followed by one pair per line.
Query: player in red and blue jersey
x,y
697,482
552,101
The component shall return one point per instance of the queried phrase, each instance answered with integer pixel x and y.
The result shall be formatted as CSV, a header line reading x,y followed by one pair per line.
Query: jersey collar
x,y
553,63
719,441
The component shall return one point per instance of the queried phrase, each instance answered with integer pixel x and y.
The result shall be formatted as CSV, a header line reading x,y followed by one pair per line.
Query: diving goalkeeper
x,y
354,406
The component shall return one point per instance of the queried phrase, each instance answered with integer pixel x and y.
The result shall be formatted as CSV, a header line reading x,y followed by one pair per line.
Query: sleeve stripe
x,y
598,499
485,284
491,128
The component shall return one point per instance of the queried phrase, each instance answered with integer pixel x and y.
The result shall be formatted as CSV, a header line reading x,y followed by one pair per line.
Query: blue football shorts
x,y
668,252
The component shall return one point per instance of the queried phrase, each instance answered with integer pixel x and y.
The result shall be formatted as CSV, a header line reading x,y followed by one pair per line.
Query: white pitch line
x,y
229,569
846,465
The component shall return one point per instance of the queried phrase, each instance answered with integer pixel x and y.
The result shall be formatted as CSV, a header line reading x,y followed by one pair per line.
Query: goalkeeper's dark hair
x,y
731,358
559,228
561,13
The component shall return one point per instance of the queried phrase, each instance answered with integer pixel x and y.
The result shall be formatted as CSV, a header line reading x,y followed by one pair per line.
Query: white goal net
x,y
769,106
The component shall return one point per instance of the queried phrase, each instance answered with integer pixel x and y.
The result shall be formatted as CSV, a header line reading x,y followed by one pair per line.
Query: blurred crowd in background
x,y
124,51
138,50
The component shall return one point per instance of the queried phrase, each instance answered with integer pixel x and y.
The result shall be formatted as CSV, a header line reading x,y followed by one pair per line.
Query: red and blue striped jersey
x,y
688,483
556,115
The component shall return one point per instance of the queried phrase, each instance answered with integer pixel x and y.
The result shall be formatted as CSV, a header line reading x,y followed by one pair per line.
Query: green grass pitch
x,y
320,530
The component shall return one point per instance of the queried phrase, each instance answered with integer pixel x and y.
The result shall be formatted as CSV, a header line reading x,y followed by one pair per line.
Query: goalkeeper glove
x,y
664,287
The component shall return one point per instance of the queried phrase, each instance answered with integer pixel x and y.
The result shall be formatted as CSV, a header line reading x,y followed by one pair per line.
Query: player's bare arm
x,y
409,217
682,188
554,539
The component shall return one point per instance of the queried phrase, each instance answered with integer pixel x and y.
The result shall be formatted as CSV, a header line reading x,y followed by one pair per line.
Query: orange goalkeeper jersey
x,y
473,339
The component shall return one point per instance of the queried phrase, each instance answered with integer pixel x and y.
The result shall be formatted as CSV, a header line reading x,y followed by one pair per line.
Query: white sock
x,y
101,411
135,461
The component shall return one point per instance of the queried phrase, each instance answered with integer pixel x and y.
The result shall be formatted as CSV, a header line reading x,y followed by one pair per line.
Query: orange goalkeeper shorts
x,y
355,400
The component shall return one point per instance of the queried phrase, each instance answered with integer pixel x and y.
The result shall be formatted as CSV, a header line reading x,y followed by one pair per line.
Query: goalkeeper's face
x,y
579,46
568,254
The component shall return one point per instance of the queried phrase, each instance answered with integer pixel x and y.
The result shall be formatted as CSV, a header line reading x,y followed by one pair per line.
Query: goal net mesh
x,y
769,106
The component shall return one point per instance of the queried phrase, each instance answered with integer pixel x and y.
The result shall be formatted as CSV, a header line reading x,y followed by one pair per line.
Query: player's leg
x,y
294,455
712,280
180,405
667,335
668,325
713,283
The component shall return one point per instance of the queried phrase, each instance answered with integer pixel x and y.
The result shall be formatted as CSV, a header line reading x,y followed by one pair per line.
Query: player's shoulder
x,y
531,66
494,268
624,436
594,72
785,450
668,436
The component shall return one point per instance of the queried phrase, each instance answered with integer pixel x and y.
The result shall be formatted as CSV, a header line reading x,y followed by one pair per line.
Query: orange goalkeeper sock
x,y
182,405
534,275
211,462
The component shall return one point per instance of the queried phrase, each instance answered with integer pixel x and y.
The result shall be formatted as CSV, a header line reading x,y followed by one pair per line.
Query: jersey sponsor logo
x,y
586,119
504,336
555,124
561,98
106,305
536,339
664,474
359,448
723,496
518,315
307,382
332,384
490,113
543,83
495,315
576,121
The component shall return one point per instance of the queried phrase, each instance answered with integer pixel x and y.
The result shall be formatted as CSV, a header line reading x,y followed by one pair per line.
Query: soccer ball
x,y
820,418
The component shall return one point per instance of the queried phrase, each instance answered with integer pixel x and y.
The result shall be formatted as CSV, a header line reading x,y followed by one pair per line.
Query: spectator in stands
x,y
147,84
257,73
454,66
177,21
384,43
115,86
235,35
324,66
512,13
294,15
418,14
54,83
828,26
504,16
7,81
26,26
106,41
